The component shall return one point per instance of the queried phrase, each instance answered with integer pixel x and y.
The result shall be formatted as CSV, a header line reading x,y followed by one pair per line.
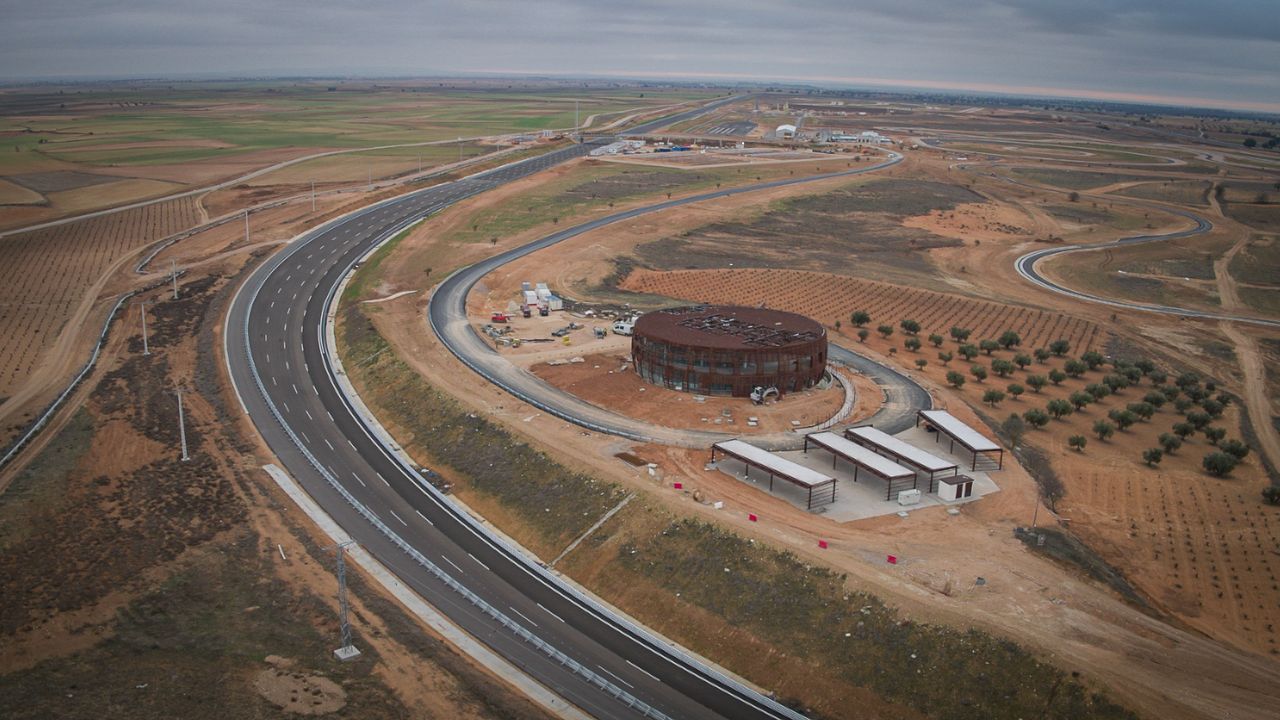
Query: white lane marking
x,y
526,617
615,677
304,437
394,515
295,388
326,412
353,445
424,518
464,572
384,480
326,442
357,477
286,365
473,557
273,381
646,672
545,610
286,407
273,304
268,356
308,412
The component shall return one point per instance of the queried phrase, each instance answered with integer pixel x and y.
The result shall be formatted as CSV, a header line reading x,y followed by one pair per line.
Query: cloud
x,y
1227,50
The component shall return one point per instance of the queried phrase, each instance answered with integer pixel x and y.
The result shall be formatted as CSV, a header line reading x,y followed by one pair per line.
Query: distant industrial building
x,y
866,137
729,350
785,132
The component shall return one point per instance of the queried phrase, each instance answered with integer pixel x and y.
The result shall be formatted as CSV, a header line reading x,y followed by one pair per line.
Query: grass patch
x,y
939,671
1070,552
1180,192
1258,262
1074,179
41,488
558,503
190,647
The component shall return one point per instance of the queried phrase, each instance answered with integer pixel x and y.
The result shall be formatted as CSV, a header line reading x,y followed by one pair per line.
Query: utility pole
x,y
313,196
575,119
142,308
370,178
459,149
347,651
246,225
173,264
419,163
182,425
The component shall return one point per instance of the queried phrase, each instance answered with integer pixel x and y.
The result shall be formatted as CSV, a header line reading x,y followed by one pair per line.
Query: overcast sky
x,y
1222,53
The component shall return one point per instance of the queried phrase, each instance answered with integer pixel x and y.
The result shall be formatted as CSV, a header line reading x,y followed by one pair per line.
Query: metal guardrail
x,y
53,406
601,682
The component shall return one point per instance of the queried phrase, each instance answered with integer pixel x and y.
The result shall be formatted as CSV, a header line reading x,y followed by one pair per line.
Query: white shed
x,y
955,488
785,132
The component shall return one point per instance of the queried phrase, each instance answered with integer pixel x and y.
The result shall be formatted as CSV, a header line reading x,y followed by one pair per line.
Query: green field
x,y
86,125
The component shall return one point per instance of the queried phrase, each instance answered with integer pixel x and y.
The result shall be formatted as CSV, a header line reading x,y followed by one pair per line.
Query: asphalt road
x,y
1026,267
274,347
448,316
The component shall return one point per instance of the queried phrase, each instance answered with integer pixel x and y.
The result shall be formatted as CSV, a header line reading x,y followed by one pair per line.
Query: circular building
x,y
729,350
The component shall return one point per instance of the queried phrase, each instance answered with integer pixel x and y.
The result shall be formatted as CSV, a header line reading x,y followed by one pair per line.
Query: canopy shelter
x,y
972,440
901,452
863,460
754,457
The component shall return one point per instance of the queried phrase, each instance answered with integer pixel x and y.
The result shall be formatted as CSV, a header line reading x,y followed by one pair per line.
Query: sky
x,y
1221,53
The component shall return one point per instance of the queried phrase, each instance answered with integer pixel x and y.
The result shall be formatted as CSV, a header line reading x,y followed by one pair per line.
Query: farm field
x,y
828,298
199,133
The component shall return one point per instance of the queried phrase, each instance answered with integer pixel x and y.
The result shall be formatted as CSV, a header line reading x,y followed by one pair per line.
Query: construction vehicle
x,y
499,317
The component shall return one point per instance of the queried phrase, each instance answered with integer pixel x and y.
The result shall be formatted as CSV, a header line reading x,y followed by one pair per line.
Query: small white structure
x,y
955,488
909,497
785,132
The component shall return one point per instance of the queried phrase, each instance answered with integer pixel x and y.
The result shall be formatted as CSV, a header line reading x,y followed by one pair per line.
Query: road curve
x,y
1026,267
448,316
274,343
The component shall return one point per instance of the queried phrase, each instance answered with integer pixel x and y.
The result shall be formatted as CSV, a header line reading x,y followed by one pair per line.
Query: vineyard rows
x,y
827,298
46,273
1204,540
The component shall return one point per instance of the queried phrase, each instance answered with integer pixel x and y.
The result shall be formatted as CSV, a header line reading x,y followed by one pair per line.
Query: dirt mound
x,y
299,693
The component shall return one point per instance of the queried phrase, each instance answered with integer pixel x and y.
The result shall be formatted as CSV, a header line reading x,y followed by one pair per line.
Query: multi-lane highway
x,y
275,352
448,315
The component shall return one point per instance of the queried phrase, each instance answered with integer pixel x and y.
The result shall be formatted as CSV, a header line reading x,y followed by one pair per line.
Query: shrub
x,y
945,356
1060,347
1077,442
1003,368
1183,430
988,346
1074,368
911,327
1059,408
1271,494
1152,456
1214,434
955,379
1037,382
1170,442
1041,355
912,344
1080,398
1143,410
1093,359
1234,448
1198,420
1219,464
1122,418
1213,407
1036,418
1009,339
1013,428
960,334
1154,398
921,363
992,397
885,330
1097,390
1116,382
1103,429
935,339
979,372
860,318
1057,376
1022,360
862,334
968,352
1015,390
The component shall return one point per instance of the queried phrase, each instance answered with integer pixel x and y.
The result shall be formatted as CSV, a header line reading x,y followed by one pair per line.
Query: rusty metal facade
x,y
729,351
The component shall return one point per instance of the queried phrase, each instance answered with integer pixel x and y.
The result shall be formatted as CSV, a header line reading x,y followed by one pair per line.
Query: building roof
x,y
729,327
882,466
961,433
905,451
786,127
781,466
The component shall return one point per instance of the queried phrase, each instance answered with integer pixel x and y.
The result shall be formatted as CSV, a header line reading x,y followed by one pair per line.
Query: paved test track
x,y
1026,267
448,316
274,346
